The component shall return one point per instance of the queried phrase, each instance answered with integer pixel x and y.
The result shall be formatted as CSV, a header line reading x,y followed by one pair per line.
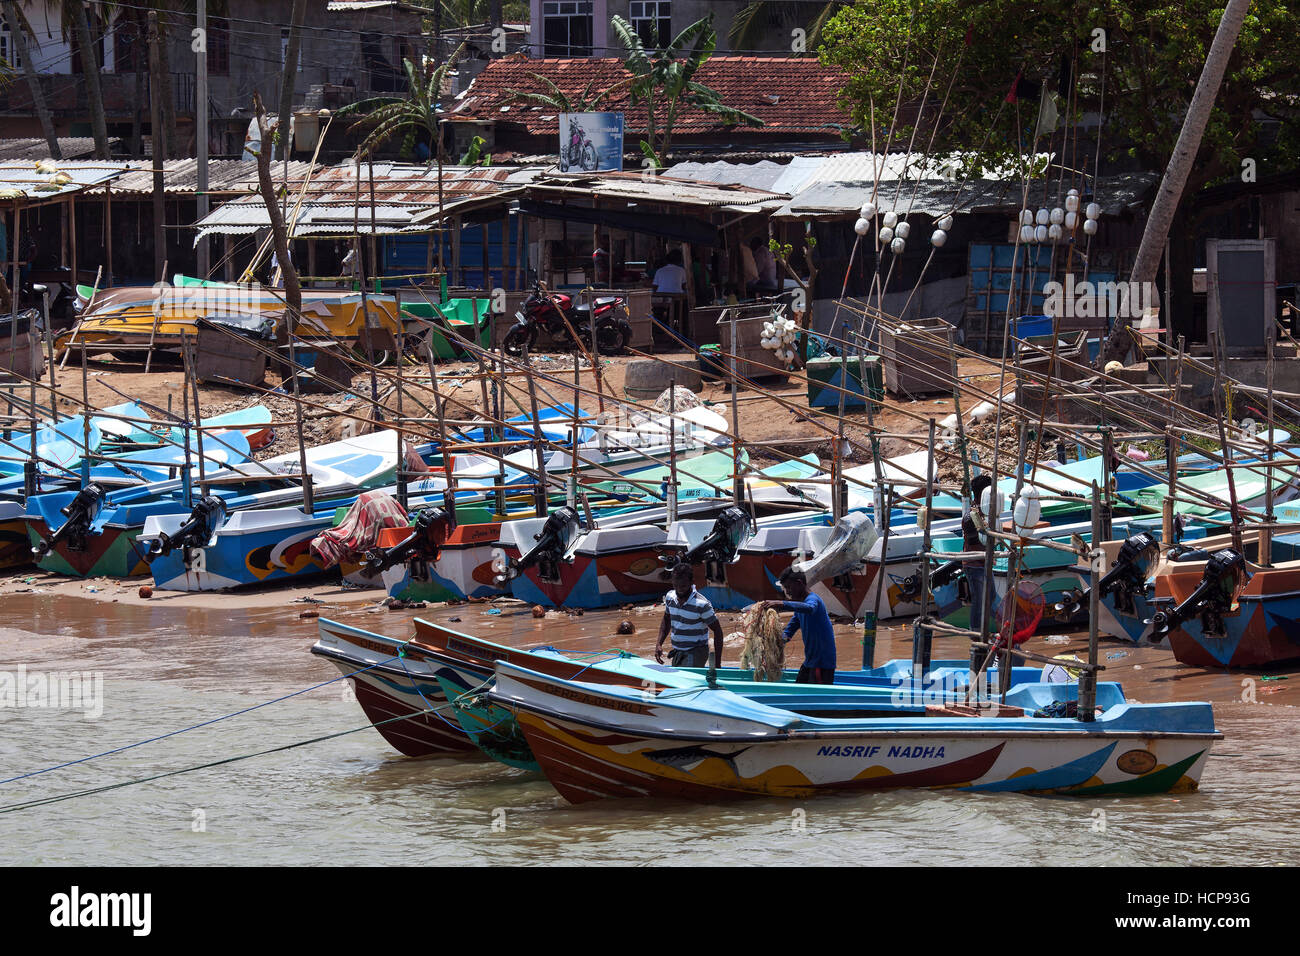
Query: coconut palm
x,y
754,22
414,114
588,101
20,30
663,82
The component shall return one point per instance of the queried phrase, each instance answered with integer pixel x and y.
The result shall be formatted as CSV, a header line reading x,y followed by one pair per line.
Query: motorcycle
x,y
580,152
557,314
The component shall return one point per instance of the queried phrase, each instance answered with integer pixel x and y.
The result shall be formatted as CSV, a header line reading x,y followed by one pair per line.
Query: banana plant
x,y
663,83
414,114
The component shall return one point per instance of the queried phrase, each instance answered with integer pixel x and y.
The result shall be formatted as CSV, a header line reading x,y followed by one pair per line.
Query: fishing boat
x,y
98,532
596,740
411,683
135,316
14,549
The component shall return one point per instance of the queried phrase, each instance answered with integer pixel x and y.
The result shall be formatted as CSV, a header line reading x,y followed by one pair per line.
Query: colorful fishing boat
x,y
595,740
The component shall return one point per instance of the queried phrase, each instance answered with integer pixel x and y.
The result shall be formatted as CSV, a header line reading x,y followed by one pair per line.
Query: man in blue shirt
x,y
814,623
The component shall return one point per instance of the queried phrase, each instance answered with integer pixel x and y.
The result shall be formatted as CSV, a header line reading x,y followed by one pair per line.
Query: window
x,y
218,46
566,28
653,22
284,50
7,51
130,43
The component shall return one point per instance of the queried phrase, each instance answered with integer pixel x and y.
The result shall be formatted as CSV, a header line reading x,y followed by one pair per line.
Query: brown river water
x,y
168,664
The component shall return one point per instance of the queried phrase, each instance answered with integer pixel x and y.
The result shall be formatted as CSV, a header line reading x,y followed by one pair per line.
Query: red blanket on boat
x,y
359,530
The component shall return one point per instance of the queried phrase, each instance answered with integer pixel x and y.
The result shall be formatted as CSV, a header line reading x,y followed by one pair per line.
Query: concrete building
x,y
350,49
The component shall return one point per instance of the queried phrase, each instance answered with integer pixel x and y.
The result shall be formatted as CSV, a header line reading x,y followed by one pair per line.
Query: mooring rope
x,y
206,723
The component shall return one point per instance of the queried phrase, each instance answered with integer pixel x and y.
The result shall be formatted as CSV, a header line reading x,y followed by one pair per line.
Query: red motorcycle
x,y
561,318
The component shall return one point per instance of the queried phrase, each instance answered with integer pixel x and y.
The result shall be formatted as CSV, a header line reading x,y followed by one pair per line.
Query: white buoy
x,y
1026,234
1093,211
1053,232
1056,216
1041,217
886,234
1027,511
1026,217
1072,201
938,238
1090,226
862,227
868,211
944,224
903,229
890,219
1040,233
897,246
1071,220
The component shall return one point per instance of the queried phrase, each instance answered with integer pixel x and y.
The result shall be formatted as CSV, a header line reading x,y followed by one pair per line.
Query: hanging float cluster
x,y
894,231
779,336
1051,225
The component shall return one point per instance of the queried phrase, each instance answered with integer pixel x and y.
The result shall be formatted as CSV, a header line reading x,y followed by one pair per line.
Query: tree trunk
x,y
33,81
292,290
290,72
90,66
1170,194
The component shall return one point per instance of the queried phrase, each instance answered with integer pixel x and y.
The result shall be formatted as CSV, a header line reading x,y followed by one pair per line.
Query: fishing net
x,y
764,651
1020,612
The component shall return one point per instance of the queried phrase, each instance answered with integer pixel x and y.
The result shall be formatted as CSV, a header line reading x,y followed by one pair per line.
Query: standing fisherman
x,y
689,616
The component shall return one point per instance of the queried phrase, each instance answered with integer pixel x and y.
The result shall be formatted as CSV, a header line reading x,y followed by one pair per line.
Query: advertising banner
x,y
591,142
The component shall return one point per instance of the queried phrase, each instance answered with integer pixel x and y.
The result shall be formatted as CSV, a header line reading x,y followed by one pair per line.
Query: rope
x,y
206,723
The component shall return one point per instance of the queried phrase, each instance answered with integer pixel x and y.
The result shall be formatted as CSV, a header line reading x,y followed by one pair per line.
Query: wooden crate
x,y
919,365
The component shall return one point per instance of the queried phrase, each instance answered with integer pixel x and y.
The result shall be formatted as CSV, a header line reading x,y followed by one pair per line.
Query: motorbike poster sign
x,y
591,142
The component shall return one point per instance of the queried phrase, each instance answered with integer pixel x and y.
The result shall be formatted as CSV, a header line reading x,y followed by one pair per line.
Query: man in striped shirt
x,y
689,617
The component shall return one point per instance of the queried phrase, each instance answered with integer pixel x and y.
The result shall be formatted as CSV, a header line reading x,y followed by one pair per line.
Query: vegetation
x,y
663,83
1145,58
415,115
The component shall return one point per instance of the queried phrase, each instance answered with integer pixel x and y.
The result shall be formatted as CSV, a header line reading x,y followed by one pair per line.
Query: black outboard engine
x,y
1126,579
1223,574
195,532
81,513
551,549
427,535
719,546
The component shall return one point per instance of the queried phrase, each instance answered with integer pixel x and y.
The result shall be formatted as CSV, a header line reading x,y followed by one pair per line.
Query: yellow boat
x,y
135,316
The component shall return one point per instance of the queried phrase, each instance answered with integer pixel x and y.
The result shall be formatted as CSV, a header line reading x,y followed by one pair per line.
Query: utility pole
x,y
201,131
157,149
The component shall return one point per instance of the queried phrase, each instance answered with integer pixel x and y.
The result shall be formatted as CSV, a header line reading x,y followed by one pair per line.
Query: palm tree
x,y
664,80
75,10
556,99
754,21
20,29
413,114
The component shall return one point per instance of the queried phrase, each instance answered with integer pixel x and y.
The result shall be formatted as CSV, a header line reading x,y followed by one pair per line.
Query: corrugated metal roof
x,y
634,187
34,148
37,185
181,176
841,200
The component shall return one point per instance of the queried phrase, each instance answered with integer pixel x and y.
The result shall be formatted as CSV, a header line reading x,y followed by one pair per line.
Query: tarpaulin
x,y
358,532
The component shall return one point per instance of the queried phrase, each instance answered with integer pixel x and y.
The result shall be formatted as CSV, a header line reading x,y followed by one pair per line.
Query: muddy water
x,y
354,800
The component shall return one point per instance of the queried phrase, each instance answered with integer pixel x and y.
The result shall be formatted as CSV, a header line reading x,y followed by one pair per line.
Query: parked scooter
x,y
557,314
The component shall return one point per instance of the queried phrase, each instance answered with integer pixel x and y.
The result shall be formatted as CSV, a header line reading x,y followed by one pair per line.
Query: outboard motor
x,y
555,543
720,546
196,532
1223,575
81,513
849,545
427,535
1127,578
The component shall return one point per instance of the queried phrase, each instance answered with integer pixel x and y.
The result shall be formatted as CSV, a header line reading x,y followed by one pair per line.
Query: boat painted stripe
x,y
1066,775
